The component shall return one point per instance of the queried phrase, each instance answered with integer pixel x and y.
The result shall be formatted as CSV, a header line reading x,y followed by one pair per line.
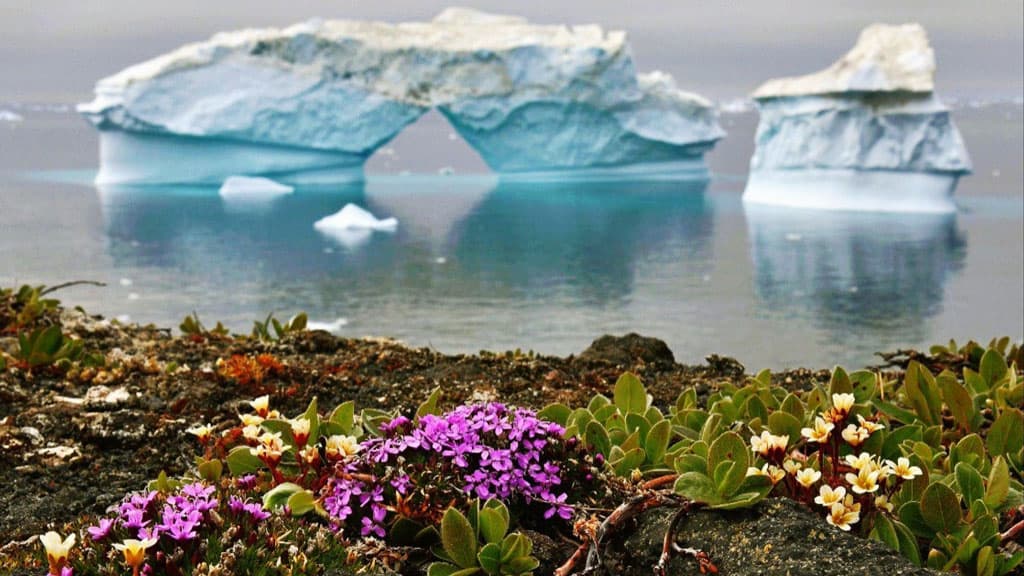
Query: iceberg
x,y
249,187
9,116
867,133
353,226
311,102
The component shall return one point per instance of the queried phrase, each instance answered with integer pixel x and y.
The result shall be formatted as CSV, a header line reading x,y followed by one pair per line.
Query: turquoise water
x,y
477,263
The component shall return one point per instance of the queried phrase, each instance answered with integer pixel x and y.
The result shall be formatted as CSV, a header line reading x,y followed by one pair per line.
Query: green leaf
x,y
241,461
278,496
656,442
908,542
515,546
637,423
885,532
864,385
794,406
728,447
922,393
344,415
894,412
298,322
630,395
521,565
697,487
1007,433
958,399
998,484
493,525
940,508
313,416
446,569
210,470
993,367
751,491
911,515
629,461
597,437
557,413
972,486
754,407
429,406
458,538
840,382
985,562
785,424
301,503
489,558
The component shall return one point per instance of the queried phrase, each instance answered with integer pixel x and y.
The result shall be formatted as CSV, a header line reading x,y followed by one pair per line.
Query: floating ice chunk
x,y
352,217
332,327
446,171
9,116
125,281
253,187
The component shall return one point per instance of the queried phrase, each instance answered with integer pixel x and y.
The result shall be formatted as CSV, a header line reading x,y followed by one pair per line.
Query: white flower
x,y
827,496
855,435
843,402
339,446
882,503
864,481
869,425
903,469
842,515
251,419
807,477
261,405
201,431
820,432
769,446
57,550
861,462
792,466
135,551
300,430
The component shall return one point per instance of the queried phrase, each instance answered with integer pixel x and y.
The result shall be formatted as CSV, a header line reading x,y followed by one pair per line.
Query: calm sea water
x,y
481,264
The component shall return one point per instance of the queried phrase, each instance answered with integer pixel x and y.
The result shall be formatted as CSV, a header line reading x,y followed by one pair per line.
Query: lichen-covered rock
x,y
324,95
779,537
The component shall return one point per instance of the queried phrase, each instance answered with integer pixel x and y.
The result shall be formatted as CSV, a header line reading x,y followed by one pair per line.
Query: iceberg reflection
x,y
857,275
457,238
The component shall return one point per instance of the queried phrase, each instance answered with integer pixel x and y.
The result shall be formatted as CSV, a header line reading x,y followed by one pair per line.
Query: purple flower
x,y
256,511
247,482
101,531
236,505
134,519
558,507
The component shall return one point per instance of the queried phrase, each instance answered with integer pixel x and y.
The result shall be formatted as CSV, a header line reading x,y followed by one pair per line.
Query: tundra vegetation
x,y
929,464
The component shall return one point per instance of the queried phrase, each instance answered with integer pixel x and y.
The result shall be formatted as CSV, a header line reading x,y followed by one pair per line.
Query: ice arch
x,y
313,101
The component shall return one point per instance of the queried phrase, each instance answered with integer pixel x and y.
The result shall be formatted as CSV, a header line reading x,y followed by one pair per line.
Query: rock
x,y
626,350
867,133
312,101
778,537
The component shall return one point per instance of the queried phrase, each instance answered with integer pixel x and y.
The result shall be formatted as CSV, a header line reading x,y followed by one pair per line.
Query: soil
x,y
74,443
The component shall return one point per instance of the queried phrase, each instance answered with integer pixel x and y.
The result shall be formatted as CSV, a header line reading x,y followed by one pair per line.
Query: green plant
x,y
46,346
193,327
627,431
480,544
262,330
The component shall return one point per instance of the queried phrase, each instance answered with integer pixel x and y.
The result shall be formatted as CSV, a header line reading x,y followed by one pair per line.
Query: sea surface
x,y
477,263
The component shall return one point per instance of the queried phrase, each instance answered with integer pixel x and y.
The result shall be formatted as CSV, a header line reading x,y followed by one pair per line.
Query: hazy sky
x,y
54,50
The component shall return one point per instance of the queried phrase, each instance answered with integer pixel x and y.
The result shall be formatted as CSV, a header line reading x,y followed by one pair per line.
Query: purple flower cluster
x,y
180,519
493,451
346,492
240,508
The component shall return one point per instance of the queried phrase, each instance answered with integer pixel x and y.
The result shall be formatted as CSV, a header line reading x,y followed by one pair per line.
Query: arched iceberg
x,y
867,133
313,101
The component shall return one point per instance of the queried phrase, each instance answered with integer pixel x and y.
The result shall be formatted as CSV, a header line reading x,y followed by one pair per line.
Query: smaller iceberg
x,y
867,133
352,217
255,188
8,116
332,327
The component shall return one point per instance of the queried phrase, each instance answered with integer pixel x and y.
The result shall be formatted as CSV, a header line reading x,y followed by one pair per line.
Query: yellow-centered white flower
x,y
820,432
135,551
261,405
864,481
300,429
769,446
202,431
792,466
870,425
250,419
807,477
842,516
57,549
903,469
861,462
882,503
843,402
827,496
339,446
855,435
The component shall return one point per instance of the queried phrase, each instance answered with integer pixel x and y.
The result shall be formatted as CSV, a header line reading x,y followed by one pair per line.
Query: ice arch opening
x,y
313,101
